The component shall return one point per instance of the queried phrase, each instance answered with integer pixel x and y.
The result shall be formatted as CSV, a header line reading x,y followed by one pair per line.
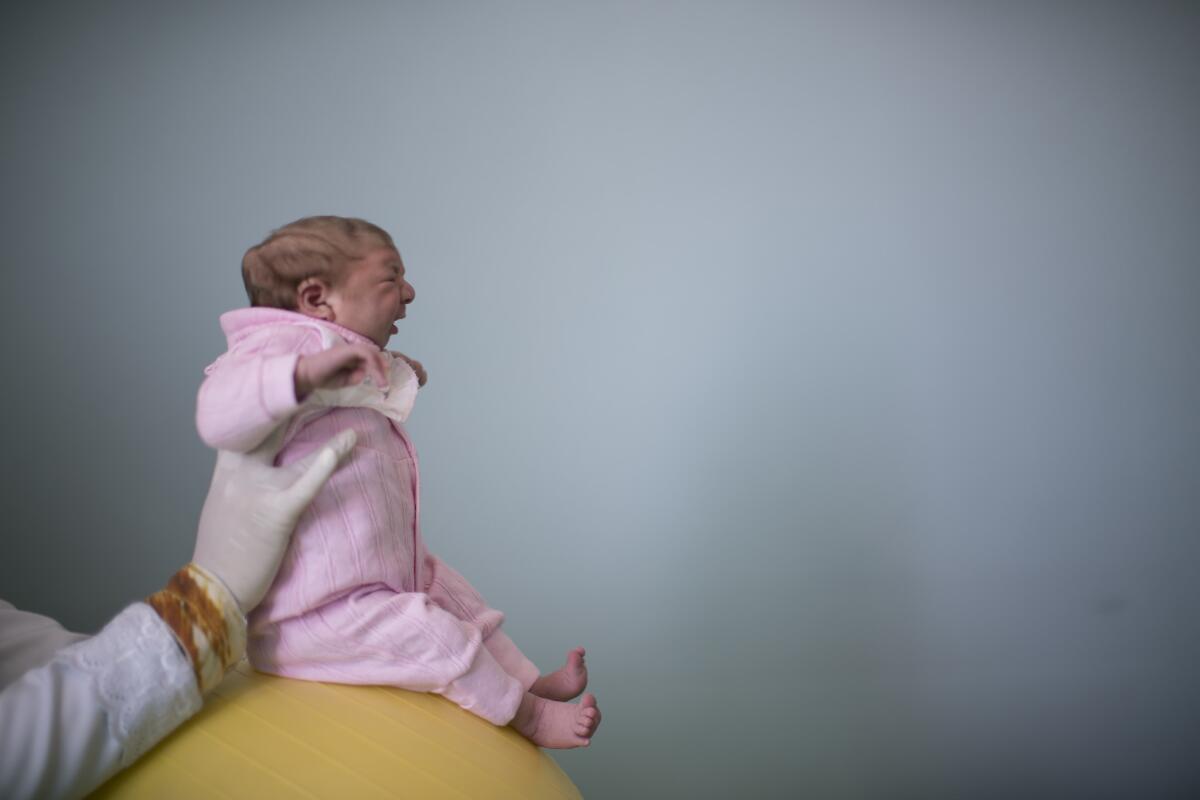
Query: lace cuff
x,y
144,682
206,621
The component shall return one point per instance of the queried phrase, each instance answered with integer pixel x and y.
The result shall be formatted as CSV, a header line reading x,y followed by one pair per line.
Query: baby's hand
x,y
340,365
416,367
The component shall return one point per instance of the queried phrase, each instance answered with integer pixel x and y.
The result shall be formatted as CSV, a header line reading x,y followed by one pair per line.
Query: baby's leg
x,y
566,682
510,657
549,723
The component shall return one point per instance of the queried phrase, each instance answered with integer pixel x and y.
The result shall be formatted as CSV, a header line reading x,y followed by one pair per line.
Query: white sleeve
x,y
66,727
28,640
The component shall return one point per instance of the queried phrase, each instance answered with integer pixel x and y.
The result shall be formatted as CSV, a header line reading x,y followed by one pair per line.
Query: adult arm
x,y
69,725
101,703
28,640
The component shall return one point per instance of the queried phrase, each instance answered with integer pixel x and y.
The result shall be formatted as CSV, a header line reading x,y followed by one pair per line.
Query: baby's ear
x,y
312,298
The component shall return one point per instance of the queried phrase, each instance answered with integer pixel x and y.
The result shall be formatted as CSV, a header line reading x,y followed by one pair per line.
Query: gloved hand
x,y
251,512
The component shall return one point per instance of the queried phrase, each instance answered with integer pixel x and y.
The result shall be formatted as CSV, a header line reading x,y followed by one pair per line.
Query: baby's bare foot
x,y
549,723
566,682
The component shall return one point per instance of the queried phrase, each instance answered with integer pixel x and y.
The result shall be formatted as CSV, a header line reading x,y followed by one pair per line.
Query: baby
x,y
359,598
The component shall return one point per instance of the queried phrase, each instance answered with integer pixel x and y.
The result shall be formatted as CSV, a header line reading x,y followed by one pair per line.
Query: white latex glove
x,y
251,512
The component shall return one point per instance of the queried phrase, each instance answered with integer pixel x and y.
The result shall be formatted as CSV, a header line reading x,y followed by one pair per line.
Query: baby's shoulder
x,y
266,340
279,337
272,330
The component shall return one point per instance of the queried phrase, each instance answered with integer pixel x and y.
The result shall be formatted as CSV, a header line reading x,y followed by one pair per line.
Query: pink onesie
x,y
358,598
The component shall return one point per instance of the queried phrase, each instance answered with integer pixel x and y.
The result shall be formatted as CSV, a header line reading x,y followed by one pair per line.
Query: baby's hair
x,y
312,247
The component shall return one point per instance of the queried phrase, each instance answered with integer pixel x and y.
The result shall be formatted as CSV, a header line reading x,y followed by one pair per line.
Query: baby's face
x,y
372,294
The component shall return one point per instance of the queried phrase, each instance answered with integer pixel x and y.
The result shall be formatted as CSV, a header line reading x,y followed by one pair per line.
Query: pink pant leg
x,y
509,656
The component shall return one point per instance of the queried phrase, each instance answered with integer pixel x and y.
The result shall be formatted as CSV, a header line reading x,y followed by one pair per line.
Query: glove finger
x,y
317,467
265,453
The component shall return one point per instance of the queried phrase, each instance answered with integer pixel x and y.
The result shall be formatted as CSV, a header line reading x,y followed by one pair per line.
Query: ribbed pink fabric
x,y
358,599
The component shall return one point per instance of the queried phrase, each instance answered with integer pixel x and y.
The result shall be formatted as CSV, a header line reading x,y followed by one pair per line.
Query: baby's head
x,y
339,269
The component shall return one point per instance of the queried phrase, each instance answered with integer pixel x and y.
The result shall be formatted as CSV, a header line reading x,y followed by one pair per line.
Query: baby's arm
x,y
340,365
251,390
259,384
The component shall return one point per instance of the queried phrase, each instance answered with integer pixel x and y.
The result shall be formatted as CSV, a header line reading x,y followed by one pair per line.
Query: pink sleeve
x,y
251,389
450,590
377,636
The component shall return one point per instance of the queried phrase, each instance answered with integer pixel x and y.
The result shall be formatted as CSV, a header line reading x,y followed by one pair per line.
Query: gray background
x,y
829,371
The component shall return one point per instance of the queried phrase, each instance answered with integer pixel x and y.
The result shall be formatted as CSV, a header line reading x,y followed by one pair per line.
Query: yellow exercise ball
x,y
263,737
